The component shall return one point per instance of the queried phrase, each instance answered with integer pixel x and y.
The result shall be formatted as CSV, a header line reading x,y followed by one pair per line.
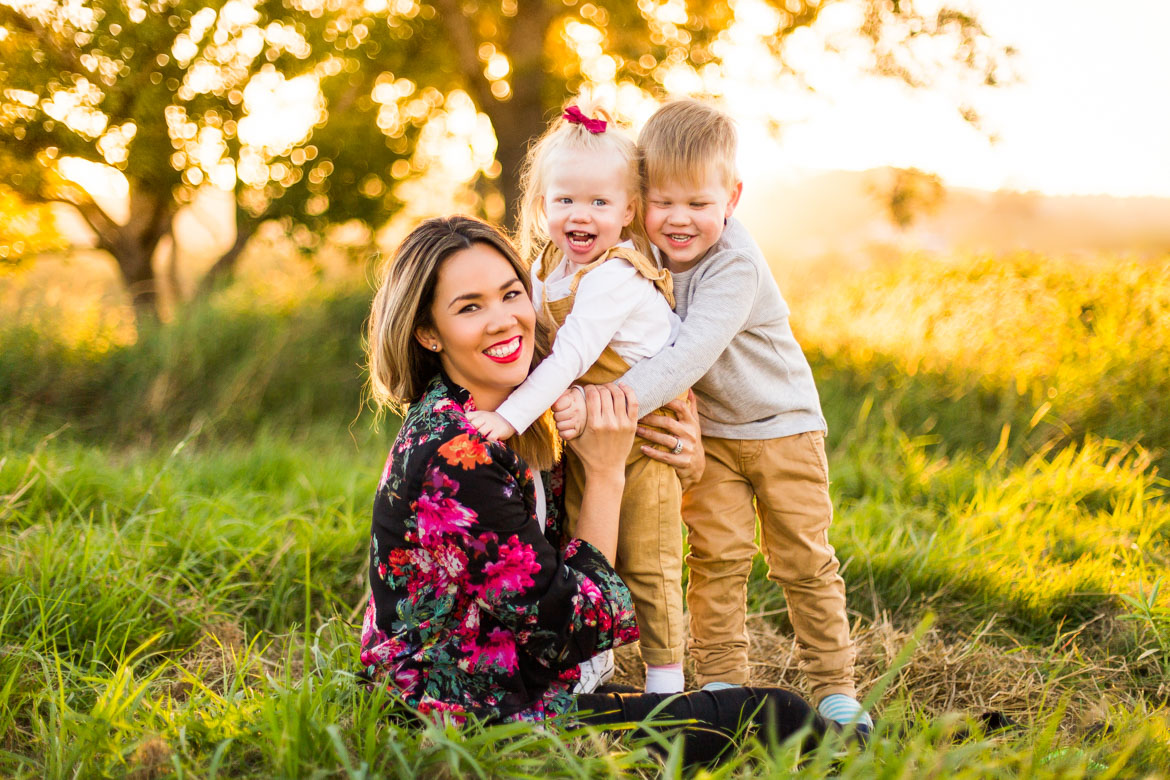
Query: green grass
x,y
184,524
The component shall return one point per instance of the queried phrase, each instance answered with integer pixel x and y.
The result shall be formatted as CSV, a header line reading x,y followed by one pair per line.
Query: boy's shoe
x,y
846,710
595,672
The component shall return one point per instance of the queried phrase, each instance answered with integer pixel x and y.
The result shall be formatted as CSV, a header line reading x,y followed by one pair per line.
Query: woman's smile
x,y
505,351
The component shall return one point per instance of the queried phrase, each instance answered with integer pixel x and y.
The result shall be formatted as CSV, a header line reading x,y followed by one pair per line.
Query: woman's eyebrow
x,y
471,296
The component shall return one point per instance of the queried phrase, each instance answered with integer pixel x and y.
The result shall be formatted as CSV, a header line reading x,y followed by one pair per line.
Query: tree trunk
x,y
515,125
245,228
133,245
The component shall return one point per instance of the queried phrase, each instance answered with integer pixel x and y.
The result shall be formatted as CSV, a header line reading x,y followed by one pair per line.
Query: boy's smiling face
x,y
685,220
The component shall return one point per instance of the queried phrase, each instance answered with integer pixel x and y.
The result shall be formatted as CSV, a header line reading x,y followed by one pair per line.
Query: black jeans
x,y
718,716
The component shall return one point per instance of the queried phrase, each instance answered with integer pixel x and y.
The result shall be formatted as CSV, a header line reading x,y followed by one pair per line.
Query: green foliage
x,y
232,365
1020,350
182,566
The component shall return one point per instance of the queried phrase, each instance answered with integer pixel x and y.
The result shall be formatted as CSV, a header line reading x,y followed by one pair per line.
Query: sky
x,y
1090,113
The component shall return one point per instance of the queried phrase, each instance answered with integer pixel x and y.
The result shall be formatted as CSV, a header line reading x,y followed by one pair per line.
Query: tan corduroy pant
x,y
649,549
788,478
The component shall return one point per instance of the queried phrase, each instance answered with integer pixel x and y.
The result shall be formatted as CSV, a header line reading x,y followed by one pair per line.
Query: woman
x,y
478,605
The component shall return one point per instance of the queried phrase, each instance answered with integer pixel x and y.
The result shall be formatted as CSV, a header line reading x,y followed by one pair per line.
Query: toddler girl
x,y
610,307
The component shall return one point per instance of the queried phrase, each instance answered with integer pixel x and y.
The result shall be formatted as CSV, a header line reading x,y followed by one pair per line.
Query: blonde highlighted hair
x,y
400,369
563,135
684,141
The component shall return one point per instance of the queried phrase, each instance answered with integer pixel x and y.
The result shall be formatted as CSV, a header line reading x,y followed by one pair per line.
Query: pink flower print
x,y
452,560
498,654
405,679
386,470
511,572
439,516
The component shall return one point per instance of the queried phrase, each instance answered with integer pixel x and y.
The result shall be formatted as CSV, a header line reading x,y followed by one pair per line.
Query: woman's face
x,y
483,324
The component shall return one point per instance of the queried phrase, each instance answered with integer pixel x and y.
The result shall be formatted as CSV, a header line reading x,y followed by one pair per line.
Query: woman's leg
x,y
718,716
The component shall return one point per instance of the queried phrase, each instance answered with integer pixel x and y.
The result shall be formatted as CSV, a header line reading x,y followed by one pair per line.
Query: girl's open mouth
x,y
580,240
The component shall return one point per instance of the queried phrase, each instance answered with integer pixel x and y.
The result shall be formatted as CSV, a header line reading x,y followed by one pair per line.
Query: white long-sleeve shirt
x,y
615,306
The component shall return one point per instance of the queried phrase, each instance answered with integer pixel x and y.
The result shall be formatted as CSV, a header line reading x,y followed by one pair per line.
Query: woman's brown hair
x,y
400,369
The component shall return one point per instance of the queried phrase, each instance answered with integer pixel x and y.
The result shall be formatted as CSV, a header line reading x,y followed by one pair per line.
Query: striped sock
x,y
844,709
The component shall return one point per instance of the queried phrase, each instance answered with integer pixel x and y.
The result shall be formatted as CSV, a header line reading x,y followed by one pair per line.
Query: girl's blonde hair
x,y
400,369
564,135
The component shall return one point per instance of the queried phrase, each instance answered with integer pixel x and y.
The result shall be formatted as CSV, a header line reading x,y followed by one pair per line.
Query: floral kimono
x,y
474,608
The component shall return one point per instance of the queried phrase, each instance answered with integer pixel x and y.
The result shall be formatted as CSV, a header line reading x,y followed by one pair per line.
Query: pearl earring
x,y
435,347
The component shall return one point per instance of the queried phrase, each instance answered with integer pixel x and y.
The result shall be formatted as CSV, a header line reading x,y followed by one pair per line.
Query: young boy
x,y
763,431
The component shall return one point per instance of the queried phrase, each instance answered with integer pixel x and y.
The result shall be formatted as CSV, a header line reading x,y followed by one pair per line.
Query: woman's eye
x,y
511,294
467,308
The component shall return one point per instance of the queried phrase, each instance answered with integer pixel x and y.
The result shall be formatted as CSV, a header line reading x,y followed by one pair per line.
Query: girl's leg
x,y
649,560
718,717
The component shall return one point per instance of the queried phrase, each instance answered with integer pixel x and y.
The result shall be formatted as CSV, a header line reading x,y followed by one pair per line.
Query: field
x,y
184,525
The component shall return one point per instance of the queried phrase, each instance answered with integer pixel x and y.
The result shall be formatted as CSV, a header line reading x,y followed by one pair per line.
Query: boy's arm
x,y
717,312
605,297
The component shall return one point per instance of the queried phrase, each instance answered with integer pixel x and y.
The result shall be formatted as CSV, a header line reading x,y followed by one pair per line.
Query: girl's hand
x,y
570,414
690,462
491,425
612,412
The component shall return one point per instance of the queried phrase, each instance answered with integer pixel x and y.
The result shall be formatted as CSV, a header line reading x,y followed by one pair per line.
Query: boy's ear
x,y
733,200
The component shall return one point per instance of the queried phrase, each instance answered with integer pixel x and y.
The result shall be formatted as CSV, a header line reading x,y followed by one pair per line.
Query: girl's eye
x,y
599,201
565,201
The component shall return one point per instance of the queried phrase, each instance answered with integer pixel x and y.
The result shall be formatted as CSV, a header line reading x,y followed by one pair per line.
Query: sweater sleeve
x,y
561,606
605,298
721,302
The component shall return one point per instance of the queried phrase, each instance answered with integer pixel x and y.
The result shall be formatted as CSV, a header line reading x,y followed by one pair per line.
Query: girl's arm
x,y
605,298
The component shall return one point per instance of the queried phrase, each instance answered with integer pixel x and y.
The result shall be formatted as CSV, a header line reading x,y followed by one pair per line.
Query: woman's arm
x,y
602,448
559,606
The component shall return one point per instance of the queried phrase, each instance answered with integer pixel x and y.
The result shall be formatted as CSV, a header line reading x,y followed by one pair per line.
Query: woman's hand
x,y
691,460
612,416
603,447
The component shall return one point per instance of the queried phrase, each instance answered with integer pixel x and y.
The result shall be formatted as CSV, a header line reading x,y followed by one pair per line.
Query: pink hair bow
x,y
574,115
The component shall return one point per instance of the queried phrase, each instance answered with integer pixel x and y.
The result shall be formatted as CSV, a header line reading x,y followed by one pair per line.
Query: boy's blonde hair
x,y
686,140
400,369
563,135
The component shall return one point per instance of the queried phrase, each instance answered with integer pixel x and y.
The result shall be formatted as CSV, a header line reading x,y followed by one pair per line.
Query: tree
x,y
168,94
170,91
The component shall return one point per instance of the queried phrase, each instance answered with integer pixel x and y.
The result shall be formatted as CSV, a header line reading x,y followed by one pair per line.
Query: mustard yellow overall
x,y
649,548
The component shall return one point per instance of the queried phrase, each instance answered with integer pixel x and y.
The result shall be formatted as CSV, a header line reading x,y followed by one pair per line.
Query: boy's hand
x,y
491,425
570,413
690,462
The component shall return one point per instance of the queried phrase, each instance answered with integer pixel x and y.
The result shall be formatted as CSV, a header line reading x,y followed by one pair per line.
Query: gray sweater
x,y
735,348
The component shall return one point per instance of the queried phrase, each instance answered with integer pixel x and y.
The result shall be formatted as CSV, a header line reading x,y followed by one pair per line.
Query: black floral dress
x,y
475,609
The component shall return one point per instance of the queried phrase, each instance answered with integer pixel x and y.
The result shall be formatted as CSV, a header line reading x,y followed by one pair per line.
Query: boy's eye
x,y
700,205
